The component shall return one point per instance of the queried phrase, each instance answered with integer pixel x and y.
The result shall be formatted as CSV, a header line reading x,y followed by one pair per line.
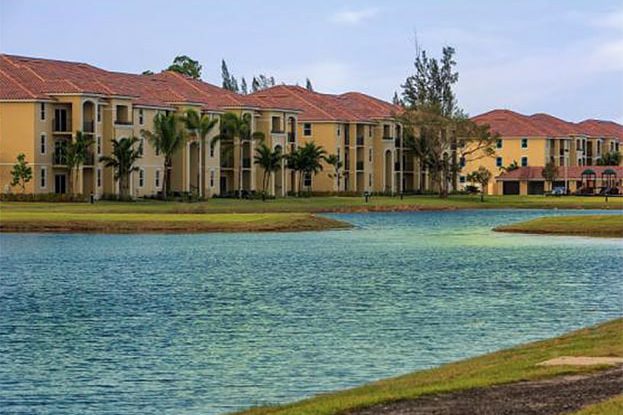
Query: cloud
x,y
353,17
611,20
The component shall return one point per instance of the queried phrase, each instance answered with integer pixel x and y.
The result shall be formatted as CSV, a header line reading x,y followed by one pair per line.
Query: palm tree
x,y
199,126
167,138
312,156
611,158
269,160
337,164
295,162
76,154
122,160
237,129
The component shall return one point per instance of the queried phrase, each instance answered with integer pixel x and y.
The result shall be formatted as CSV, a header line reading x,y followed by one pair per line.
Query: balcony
x,y
346,140
61,126
360,166
246,163
227,164
88,127
60,157
291,138
397,166
397,142
90,159
360,140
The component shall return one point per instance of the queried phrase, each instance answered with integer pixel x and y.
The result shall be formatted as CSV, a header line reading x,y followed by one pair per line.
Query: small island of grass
x,y
584,225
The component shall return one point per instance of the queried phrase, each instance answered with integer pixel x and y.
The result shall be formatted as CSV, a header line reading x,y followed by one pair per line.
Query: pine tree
x,y
225,75
186,66
396,99
255,85
243,86
308,85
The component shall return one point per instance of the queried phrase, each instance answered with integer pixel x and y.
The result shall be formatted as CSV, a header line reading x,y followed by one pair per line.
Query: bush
x,y
43,197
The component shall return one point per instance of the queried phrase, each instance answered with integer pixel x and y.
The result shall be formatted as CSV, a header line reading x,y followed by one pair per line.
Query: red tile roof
x,y
573,173
24,78
513,124
315,106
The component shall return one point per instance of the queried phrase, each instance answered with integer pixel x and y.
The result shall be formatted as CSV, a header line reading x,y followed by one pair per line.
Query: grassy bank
x,y
612,406
589,225
29,221
519,363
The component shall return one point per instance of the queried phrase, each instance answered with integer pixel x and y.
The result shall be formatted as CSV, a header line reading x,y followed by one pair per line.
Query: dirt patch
x,y
582,361
560,395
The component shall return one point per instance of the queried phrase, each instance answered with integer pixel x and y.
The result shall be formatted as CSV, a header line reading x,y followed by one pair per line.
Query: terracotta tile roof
x,y
513,124
315,106
573,173
34,78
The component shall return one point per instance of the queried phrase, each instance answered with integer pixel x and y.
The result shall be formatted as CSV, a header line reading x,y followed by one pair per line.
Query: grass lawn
x,y
510,365
612,406
26,220
590,225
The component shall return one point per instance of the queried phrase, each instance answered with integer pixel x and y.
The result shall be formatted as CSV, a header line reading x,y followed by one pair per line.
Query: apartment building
x,y
360,130
44,103
530,142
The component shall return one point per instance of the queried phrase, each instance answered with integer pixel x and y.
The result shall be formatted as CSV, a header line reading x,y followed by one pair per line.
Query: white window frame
x,y
42,111
370,155
524,140
157,178
212,150
98,177
522,161
499,143
212,177
307,132
98,145
308,178
370,131
141,178
501,162
141,117
43,179
141,146
43,144
98,113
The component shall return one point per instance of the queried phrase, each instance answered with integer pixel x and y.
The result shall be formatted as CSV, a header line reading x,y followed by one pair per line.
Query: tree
x,y
147,72
396,100
482,177
21,172
262,82
229,81
186,66
243,86
269,160
237,130
611,158
510,167
199,126
308,85
334,161
167,138
550,172
76,154
312,156
122,159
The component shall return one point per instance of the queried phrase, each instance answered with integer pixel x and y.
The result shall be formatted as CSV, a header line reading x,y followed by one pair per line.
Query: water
x,y
188,324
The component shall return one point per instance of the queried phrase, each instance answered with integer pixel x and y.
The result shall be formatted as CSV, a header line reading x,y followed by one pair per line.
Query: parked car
x,y
558,191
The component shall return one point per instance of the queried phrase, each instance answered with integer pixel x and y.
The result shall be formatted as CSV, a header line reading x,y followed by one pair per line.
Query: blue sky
x,y
560,57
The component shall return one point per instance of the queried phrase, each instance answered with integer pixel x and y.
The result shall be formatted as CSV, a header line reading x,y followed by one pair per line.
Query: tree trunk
x,y
166,178
241,165
70,182
482,194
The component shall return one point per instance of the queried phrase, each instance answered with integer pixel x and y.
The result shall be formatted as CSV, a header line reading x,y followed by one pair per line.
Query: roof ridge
x,y
310,103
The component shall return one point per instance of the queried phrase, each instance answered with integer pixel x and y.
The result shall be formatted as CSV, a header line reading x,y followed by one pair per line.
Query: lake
x,y
213,323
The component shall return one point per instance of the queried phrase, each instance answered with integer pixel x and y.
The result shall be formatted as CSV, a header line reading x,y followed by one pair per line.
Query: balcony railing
x,y
88,126
388,137
360,140
360,166
123,122
60,157
277,131
346,140
90,159
60,125
291,138
227,164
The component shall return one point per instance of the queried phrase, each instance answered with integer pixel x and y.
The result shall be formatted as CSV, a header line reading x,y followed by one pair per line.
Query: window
x,y
370,131
141,117
98,177
370,180
43,179
524,161
499,143
99,113
338,130
307,129
42,111
370,155
212,178
141,146
462,161
462,179
578,145
43,144
157,179
98,145
141,178
524,143
307,180
498,162
211,150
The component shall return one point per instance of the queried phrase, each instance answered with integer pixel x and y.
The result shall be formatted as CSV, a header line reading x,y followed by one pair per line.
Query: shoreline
x,y
596,226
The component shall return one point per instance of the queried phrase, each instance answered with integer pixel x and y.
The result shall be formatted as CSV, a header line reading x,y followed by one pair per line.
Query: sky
x,y
564,58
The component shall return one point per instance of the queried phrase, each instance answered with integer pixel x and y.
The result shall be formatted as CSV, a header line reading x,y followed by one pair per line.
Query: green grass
x,y
612,406
510,365
322,204
591,225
